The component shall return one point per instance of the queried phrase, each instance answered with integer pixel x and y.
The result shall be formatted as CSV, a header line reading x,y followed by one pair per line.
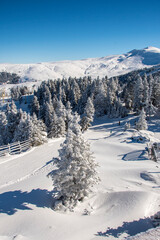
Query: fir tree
x,y
76,172
142,123
35,107
37,131
138,94
13,120
3,128
88,115
22,131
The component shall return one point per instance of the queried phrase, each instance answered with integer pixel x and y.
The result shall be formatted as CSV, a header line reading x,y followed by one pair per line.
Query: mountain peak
x,y
152,49
105,66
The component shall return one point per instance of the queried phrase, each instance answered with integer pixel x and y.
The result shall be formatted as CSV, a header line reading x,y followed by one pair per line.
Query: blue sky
x,y
53,30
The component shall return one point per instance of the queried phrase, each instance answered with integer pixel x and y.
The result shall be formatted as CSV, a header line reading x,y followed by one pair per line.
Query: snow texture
x,y
111,66
119,208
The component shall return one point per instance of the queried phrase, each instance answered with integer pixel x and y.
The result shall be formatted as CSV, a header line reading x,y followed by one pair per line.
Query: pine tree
x,y
35,107
142,123
37,131
68,114
60,110
88,115
138,94
22,131
48,116
100,101
145,93
76,172
52,130
13,120
3,128
156,92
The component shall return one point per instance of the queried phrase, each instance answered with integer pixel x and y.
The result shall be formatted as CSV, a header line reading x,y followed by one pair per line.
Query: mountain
x,y
111,66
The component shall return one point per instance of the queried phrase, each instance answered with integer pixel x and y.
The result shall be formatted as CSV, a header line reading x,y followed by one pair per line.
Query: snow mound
x,y
113,203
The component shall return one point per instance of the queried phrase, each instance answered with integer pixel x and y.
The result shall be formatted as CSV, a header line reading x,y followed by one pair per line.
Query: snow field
x,y
126,197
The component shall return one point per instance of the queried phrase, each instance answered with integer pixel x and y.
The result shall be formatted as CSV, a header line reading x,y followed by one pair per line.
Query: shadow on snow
x,y
131,228
11,202
139,155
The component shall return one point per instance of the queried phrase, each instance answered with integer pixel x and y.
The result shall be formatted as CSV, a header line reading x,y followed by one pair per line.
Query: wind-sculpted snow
x,y
120,207
104,66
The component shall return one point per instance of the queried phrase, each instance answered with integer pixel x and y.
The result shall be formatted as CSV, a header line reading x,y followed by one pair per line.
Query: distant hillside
x,y
106,66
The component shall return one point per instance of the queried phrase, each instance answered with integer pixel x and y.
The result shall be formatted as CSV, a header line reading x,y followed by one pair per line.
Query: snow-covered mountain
x,y
110,66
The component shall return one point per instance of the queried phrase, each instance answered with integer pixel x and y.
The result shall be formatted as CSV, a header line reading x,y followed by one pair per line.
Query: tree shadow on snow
x,y
139,155
131,228
154,127
11,202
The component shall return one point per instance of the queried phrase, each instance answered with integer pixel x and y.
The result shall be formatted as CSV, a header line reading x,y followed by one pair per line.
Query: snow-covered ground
x,y
119,207
105,66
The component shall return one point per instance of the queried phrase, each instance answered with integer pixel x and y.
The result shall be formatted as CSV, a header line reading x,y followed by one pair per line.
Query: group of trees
x,y
18,92
55,101
11,78
55,111
16,125
143,92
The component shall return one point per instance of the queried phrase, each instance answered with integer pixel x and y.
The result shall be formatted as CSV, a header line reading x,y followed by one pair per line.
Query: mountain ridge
x,y
112,65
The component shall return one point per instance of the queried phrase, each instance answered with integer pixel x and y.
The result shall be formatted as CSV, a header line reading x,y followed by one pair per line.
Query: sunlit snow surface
x,y
120,206
105,66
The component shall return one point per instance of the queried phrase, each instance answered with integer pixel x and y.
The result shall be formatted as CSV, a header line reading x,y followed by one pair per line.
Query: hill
x,y
105,66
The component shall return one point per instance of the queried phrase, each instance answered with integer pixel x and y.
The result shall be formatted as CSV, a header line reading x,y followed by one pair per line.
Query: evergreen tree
x,y
156,92
142,123
35,107
22,131
100,101
48,115
37,131
13,120
88,115
76,172
3,128
138,94
145,93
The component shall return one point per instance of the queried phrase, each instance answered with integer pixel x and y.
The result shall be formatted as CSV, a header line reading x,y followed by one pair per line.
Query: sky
x,y
53,30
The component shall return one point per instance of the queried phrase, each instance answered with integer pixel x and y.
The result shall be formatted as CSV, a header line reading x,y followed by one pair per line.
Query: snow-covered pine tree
x,y
35,107
68,114
100,101
76,173
37,131
127,126
88,115
60,110
22,131
3,128
145,93
13,120
138,94
48,116
156,92
52,130
142,123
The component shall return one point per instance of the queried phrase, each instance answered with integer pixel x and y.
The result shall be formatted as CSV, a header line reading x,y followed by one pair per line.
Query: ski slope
x,y
119,207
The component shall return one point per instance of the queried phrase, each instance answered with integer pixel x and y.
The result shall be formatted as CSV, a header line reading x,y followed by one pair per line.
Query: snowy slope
x,y
110,66
123,202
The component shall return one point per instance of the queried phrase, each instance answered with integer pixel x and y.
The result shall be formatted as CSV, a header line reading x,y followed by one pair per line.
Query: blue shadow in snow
x,y
135,156
131,228
11,202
